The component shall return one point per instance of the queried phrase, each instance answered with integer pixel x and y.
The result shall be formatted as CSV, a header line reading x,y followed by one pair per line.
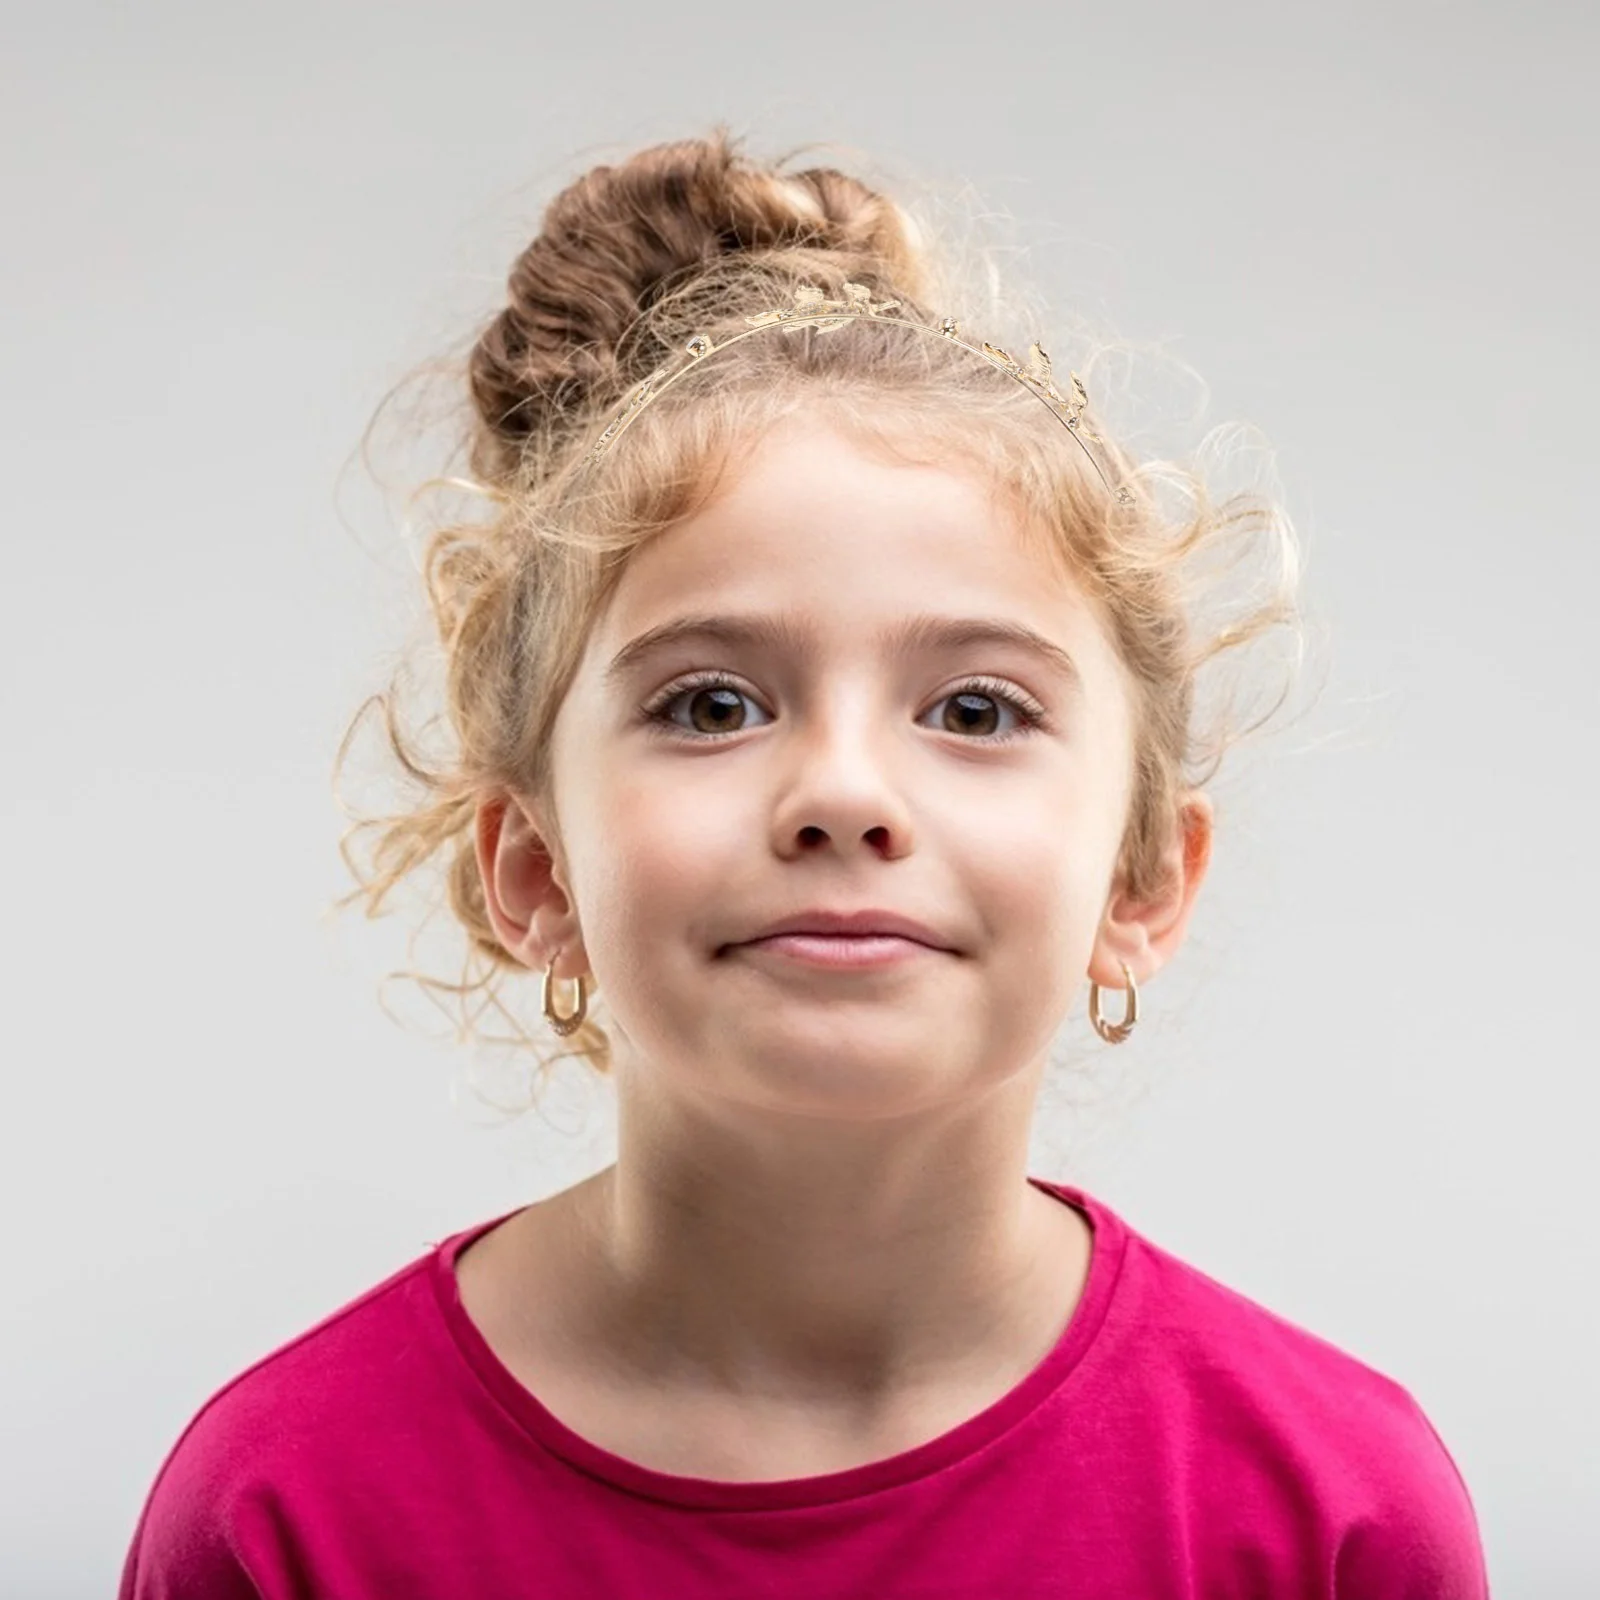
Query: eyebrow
x,y
909,635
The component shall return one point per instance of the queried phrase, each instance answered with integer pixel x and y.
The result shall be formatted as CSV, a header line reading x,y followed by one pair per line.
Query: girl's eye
x,y
712,701
966,711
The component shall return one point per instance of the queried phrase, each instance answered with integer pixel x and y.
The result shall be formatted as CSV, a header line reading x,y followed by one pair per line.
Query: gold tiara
x,y
812,308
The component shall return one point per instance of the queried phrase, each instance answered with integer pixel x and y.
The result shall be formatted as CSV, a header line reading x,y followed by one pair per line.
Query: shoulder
x,y
1286,1410
268,1438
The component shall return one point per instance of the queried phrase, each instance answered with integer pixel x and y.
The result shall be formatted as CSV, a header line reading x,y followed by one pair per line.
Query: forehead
x,y
843,539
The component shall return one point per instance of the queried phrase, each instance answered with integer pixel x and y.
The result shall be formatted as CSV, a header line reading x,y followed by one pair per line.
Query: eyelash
x,y
1033,716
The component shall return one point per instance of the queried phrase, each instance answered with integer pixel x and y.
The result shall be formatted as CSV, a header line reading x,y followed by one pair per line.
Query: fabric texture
x,y
1179,1440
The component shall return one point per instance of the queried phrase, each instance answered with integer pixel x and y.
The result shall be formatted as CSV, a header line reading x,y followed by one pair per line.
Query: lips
x,y
861,923
833,952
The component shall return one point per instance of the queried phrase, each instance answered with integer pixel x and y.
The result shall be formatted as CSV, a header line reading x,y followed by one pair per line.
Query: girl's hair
x,y
693,237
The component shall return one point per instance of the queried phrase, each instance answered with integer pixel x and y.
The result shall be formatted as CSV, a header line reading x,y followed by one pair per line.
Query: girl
x,y
823,684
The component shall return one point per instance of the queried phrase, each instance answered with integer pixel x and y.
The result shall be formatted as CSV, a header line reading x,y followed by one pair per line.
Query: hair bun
x,y
615,241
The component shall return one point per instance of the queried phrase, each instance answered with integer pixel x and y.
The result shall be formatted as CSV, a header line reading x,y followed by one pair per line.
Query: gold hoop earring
x,y
567,1024
1115,1033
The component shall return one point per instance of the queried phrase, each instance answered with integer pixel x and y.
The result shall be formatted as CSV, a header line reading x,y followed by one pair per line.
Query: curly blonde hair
x,y
693,236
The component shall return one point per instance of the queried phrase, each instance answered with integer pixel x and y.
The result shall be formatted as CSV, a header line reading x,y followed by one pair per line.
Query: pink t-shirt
x,y
1178,1440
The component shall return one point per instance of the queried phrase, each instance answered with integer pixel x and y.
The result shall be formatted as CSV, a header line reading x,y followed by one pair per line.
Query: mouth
x,y
838,951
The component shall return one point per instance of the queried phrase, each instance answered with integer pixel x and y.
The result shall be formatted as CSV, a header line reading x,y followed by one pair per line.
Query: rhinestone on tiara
x,y
812,308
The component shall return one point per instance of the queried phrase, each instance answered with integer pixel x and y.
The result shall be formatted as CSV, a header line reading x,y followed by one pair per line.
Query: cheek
x,y
658,850
1039,865
670,821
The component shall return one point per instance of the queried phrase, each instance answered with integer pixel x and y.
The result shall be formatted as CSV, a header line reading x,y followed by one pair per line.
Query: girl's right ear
x,y
526,904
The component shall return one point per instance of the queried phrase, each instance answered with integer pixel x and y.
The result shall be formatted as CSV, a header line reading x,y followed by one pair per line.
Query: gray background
x,y
1365,1095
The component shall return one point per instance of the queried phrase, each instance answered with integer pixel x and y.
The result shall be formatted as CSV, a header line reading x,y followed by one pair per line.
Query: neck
x,y
818,1291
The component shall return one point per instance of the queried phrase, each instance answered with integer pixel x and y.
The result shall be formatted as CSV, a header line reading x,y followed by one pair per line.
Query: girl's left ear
x,y
1147,933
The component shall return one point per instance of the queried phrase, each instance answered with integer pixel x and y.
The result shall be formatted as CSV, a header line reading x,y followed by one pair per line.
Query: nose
x,y
840,782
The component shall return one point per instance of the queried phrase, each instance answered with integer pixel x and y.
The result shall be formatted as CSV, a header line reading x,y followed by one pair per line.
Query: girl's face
x,y
893,705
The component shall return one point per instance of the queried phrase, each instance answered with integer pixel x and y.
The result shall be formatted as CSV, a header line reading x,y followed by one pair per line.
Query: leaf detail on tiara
x,y
1040,375
809,299
643,390
860,299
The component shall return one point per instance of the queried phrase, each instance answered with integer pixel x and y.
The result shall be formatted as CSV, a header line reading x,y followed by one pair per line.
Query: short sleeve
x,y
206,1530
181,1550
1424,1544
